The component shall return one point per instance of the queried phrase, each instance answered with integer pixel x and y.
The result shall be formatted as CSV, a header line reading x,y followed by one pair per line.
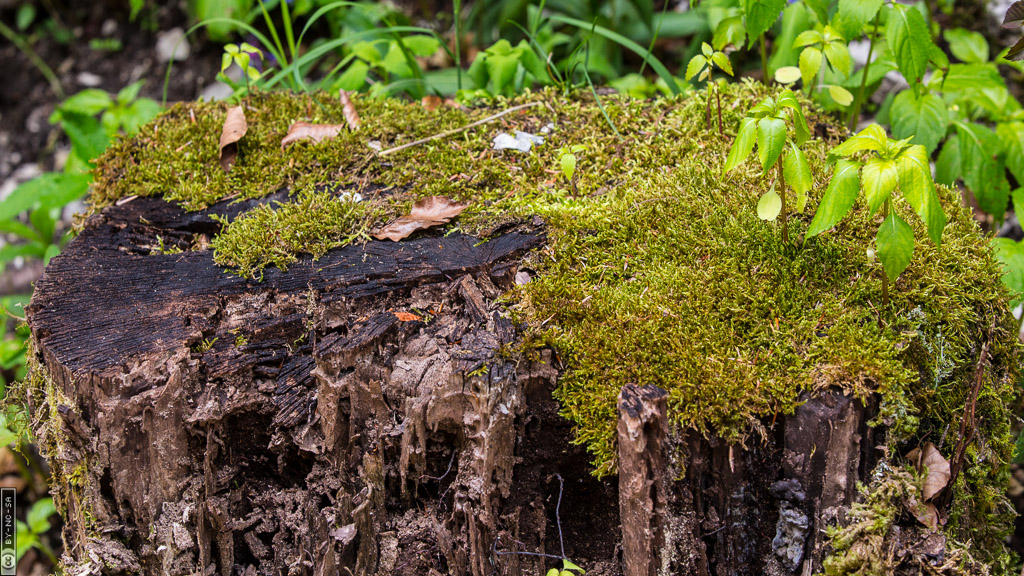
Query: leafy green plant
x,y
37,523
885,165
766,126
567,163
821,45
125,112
241,56
43,197
702,66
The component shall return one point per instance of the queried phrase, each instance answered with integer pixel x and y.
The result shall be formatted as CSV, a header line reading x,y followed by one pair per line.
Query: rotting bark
x,y
212,424
756,510
198,422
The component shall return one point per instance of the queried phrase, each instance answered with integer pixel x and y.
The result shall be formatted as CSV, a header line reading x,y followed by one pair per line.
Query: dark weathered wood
x,y
643,482
220,425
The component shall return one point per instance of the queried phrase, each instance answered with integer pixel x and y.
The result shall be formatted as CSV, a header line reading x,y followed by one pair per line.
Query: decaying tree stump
x,y
376,412
299,425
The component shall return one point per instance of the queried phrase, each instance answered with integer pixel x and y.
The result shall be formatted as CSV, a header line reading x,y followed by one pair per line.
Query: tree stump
x,y
378,410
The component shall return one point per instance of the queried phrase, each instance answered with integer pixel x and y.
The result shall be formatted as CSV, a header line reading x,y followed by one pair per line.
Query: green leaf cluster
x,y
766,126
871,163
703,64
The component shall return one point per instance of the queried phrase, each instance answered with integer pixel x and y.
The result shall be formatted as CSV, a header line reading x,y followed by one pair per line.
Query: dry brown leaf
x,y
431,102
306,131
406,316
926,514
428,212
235,127
351,116
927,457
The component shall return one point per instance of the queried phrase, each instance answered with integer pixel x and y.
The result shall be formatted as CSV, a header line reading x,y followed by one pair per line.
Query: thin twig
x,y
457,130
967,434
558,518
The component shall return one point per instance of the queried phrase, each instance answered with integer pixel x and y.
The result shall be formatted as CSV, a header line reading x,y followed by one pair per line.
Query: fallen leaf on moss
x,y
234,128
351,116
406,316
927,457
306,131
428,212
431,102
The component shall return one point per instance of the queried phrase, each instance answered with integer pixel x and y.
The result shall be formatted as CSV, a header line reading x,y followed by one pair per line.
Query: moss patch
x,y
658,269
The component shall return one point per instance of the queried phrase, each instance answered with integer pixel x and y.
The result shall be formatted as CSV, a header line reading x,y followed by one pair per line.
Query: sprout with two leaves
x,y
879,166
766,125
701,66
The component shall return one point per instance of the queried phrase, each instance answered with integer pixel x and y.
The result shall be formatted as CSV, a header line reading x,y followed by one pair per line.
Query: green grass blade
x,y
313,55
656,64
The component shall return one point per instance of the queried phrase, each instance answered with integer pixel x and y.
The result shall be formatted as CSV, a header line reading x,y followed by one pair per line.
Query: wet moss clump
x,y
274,235
658,270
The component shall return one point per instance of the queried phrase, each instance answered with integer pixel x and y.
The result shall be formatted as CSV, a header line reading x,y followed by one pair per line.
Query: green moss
x,y
314,223
658,270
69,471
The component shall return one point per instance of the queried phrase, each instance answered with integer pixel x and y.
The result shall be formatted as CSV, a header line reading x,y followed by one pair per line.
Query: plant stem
x,y
764,61
885,275
707,109
457,10
785,209
855,113
821,77
718,93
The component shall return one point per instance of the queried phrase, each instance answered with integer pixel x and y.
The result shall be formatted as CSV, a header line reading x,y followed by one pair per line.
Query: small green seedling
x,y
765,125
885,165
38,523
241,56
701,66
565,571
820,45
567,162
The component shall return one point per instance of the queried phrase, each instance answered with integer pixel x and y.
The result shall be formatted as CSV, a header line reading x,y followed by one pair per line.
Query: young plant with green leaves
x,y
30,533
43,198
821,46
567,163
766,125
701,66
872,163
241,56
